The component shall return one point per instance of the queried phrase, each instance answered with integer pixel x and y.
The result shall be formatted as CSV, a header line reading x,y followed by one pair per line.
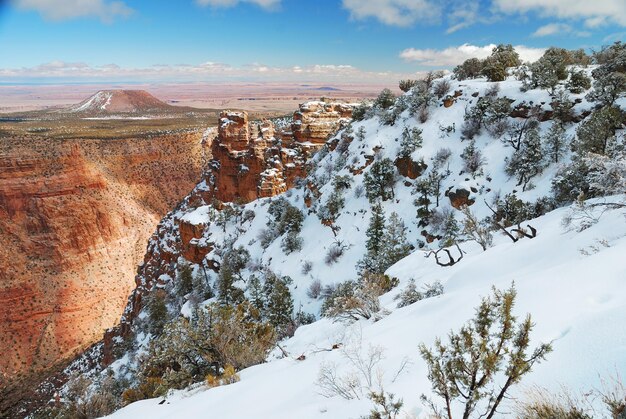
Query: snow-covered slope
x,y
571,281
576,300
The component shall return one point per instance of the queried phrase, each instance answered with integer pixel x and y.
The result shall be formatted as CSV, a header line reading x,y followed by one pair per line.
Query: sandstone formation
x,y
314,121
74,220
257,160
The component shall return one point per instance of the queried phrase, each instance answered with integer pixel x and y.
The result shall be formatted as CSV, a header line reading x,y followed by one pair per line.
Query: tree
x,y
526,163
385,99
406,85
423,190
502,57
411,141
279,306
371,262
550,69
475,230
379,180
395,245
184,285
492,345
597,131
472,160
470,69
578,82
555,142
157,311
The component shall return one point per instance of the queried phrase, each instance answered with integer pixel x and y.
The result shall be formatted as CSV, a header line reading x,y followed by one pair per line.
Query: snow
x,y
572,282
575,300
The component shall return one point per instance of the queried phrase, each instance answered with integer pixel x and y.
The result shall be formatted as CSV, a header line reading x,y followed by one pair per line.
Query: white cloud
x,y
266,4
107,11
208,71
393,12
558,29
593,13
456,55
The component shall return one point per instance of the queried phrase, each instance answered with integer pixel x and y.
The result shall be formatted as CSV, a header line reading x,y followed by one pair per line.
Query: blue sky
x,y
367,40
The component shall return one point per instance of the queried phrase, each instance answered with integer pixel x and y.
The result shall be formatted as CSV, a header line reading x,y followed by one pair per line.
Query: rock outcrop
x,y
252,160
315,121
74,219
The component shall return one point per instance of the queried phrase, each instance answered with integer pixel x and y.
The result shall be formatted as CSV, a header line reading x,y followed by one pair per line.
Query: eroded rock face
x,y
315,121
407,167
74,220
255,160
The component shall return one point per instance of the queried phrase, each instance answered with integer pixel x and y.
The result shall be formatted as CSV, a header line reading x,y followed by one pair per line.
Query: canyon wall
x,y
74,220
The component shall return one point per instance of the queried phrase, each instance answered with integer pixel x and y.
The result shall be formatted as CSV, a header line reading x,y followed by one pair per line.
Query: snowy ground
x,y
572,283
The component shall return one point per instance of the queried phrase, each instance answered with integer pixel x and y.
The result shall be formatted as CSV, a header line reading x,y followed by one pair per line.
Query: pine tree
x,y
184,284
255,293
379,180
555,142
597,131
526,163
395,245
423,190
371,262
411,141
472,159
466,369
279,303
450,229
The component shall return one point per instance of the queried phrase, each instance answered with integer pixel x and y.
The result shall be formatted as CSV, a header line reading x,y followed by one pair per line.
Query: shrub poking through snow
x,y
480,363
411,294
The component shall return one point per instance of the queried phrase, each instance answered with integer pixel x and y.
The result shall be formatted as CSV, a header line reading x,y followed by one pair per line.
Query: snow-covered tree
x,y
595,134
411,140
555,142
527,162
371,262
473,160
395,245
379,180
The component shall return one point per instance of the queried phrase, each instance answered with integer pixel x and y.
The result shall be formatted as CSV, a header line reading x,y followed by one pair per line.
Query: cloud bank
x,y
452,56
208,71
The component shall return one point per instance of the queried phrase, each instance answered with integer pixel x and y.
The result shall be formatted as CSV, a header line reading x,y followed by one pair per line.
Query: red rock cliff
x,y
74,220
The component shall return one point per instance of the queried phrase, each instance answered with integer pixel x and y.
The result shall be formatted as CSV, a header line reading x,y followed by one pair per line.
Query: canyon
x,y
74,219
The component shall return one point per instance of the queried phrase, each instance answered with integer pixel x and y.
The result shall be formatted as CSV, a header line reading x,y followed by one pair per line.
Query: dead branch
x,y
451,260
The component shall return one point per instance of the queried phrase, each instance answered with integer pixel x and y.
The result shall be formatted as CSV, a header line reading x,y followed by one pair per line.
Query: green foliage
x,y
386,407
379,180
233,262
473,160
184,283
578,82
597,131
411,141
483,359
157,310
375,232
186,351
411,294
406,85
359,113
527,162
610,77
502,57
279,303
550,69
490,112
385,99
470,69
555,142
